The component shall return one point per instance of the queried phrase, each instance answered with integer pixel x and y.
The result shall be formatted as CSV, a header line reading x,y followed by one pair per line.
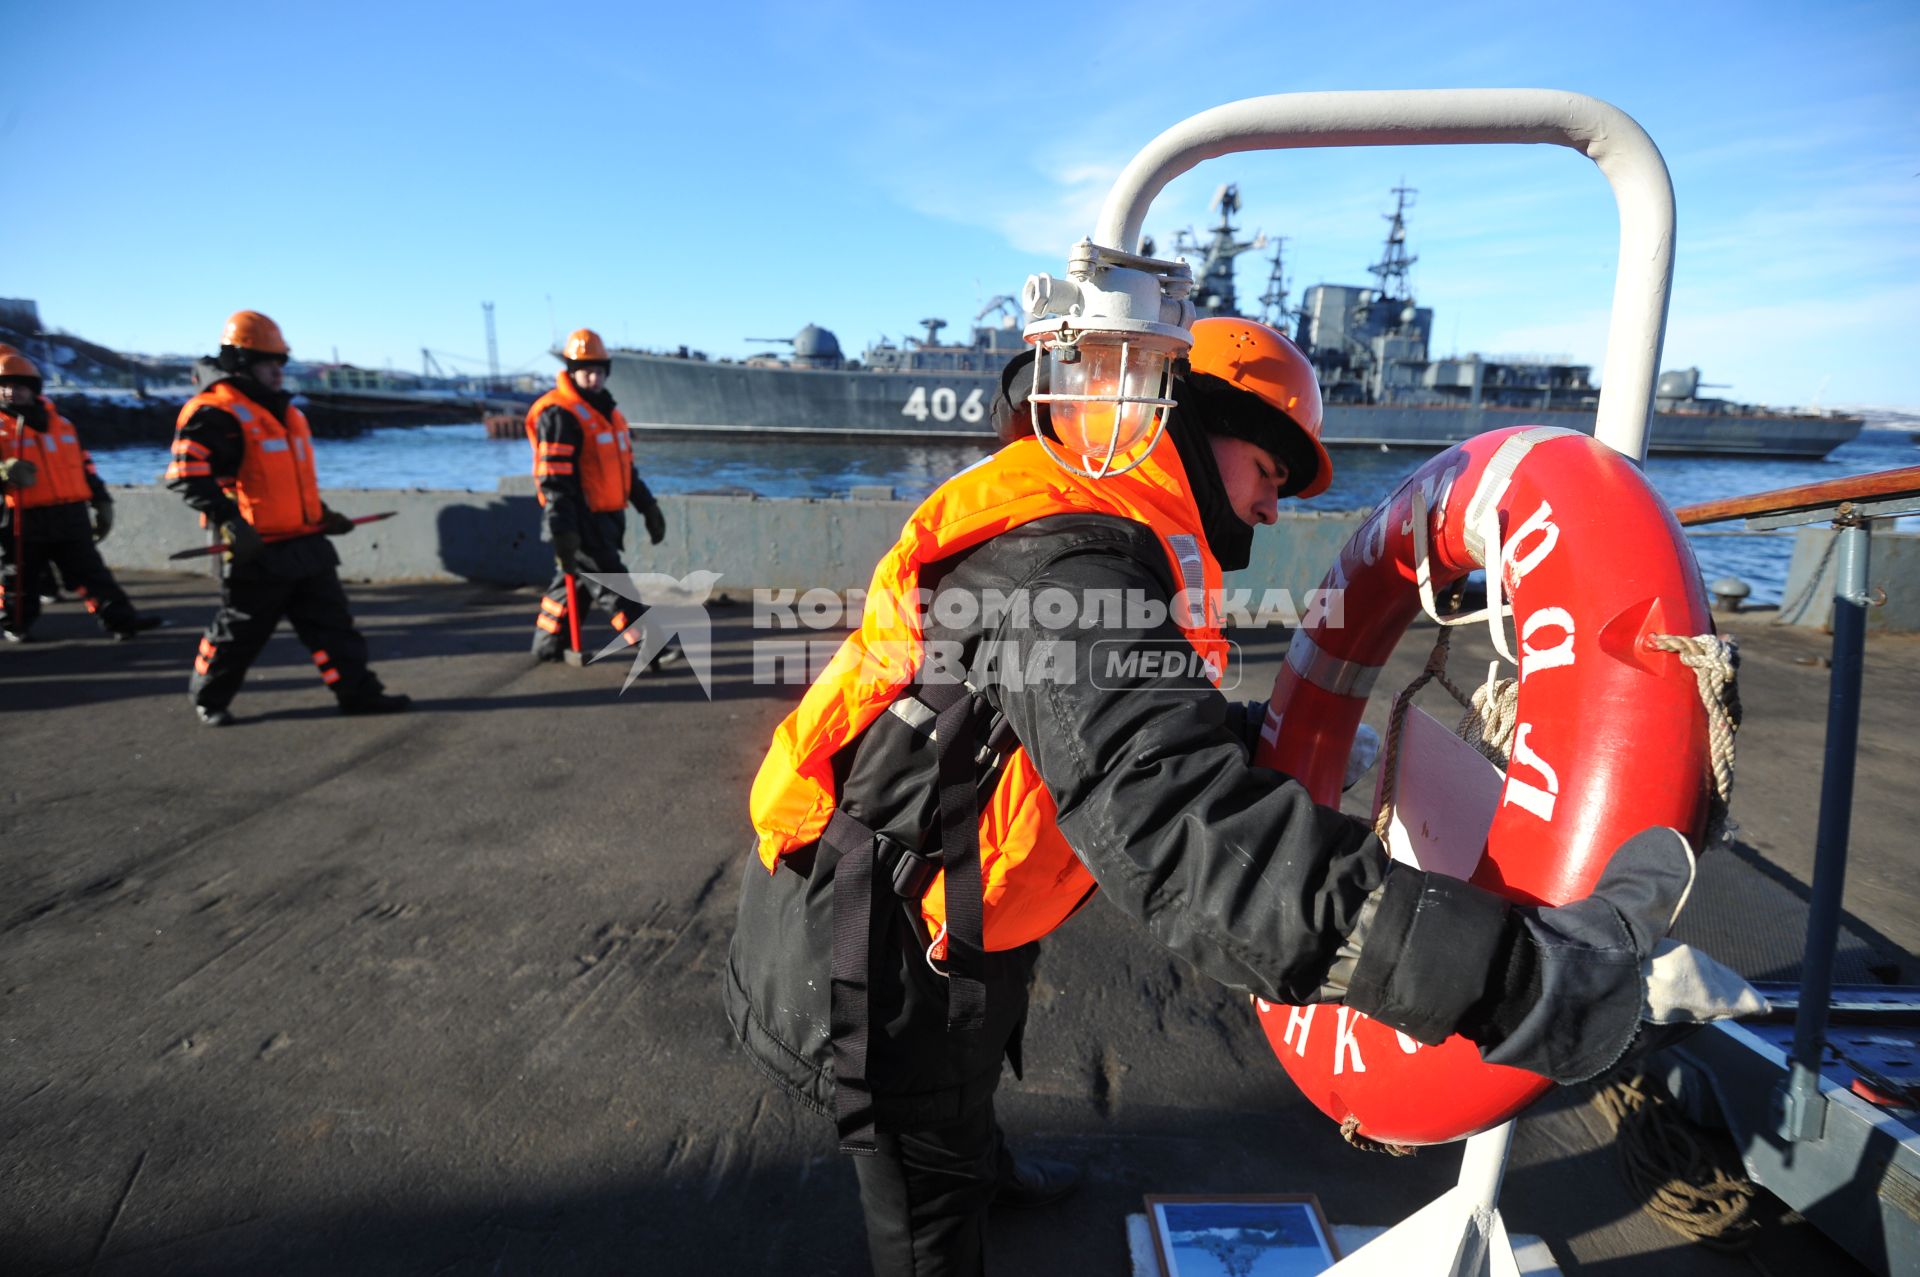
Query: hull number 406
x,y
943,403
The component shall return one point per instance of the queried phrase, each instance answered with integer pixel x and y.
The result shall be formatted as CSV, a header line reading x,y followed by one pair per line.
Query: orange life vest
x,y
605,460
55,452
276,488
1031,879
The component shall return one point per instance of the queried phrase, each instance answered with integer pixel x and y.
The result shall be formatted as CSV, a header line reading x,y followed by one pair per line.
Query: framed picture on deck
x,y
1258,1235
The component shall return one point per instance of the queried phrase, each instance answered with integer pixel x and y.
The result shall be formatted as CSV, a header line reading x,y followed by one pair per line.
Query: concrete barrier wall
x,y
752,542
1893,564
803,544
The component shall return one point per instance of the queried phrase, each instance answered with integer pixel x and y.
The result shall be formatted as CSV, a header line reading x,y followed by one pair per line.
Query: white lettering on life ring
x,y
1433,493
1533,659
1531,798
1520,562
1344,1043
1373,537
1300,1018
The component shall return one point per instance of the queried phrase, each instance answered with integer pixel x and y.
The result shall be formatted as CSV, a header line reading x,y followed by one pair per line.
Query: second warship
x,y
1369,344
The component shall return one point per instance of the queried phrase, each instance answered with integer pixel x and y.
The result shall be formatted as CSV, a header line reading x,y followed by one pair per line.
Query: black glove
x,y
1576,981
333,523
18,472
566,550
242,540
102,519
1561,992
656,523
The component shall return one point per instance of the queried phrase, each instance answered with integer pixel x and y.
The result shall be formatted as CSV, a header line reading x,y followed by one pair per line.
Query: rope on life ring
x,y
1492,712
1603,595
1350,1132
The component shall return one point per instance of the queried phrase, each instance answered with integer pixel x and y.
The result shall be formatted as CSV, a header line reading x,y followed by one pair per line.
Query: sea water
x,y
463,457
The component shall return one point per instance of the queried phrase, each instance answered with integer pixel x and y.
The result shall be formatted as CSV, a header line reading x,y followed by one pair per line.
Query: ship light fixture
x,y
1110,333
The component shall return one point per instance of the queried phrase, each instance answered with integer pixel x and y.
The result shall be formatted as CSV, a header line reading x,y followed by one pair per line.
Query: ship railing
x,y
1798,1110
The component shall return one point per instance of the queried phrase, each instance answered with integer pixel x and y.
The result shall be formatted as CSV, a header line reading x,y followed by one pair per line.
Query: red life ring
x,y
1611,735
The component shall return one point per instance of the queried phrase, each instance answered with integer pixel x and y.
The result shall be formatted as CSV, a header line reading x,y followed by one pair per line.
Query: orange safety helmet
x,y
251,330
584,347
1261,361
15,364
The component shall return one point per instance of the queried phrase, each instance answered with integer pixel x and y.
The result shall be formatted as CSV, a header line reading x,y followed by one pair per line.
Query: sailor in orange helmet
x,y
243,458
583,464
56,510
922,824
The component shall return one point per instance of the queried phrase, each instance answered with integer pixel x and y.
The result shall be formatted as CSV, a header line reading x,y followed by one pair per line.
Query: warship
x,y
1369,344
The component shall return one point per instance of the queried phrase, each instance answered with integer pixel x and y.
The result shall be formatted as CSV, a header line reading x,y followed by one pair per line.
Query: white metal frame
x,y
1626,156
1460,1232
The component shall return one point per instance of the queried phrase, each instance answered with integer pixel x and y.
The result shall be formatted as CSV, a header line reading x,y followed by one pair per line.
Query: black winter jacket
x,y
1231,866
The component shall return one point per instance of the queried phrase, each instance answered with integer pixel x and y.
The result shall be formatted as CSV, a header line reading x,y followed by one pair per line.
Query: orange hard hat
x,y
15,364
584,347
1261,361
7,350
251,330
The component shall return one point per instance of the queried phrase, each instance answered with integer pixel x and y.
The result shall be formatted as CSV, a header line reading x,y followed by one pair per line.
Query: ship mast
x,y
1273,302
1391,269
1213,292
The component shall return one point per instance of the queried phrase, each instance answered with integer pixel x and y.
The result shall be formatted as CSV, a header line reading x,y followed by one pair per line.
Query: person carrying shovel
x,y
243,458
583,467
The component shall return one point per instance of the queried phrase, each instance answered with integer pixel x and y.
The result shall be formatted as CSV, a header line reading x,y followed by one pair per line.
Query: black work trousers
x,y
253,601
599,552
926,1193
82,572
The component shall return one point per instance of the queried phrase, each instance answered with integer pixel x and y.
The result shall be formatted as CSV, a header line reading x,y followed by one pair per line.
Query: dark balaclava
x,y
1225,409
601,399
33,415
1228,535
237,362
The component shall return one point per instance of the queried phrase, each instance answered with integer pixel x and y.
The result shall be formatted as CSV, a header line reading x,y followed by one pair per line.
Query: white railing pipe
x,y
1642,191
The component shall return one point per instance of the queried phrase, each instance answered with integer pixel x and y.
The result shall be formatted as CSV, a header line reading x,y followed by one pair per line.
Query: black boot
x,y
139,625
376,703
1027,1182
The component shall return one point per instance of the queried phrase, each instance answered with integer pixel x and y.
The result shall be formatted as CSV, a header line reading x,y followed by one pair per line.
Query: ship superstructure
x,y
1371,345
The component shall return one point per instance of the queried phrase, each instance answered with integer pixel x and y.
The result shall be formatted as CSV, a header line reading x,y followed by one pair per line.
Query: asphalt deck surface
x,y
440,993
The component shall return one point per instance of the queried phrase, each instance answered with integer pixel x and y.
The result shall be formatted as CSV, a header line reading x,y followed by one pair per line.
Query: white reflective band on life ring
x,y
1493,484
1329,672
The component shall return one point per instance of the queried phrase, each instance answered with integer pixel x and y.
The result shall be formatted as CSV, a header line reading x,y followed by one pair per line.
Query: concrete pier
x,y
439,993
795,543
752,542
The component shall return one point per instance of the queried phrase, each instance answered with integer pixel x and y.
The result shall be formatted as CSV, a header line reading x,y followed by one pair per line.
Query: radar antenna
x,y
1004,306
933,327
1213,292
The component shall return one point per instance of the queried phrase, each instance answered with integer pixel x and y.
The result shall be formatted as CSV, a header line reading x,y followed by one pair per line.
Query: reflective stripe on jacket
x,y
55,452
276,487
603,465
1031,877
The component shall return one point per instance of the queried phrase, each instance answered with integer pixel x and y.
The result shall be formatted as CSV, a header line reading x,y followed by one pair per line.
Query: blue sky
x,y
701,174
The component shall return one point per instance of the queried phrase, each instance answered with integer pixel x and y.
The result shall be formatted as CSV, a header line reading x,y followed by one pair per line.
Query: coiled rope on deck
x,y
1679,1179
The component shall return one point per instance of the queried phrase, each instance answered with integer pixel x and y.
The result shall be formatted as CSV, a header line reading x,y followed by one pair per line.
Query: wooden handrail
x,y
1880,486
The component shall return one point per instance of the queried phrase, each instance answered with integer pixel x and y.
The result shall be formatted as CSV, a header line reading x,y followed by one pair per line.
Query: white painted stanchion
x,y
1457,1234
